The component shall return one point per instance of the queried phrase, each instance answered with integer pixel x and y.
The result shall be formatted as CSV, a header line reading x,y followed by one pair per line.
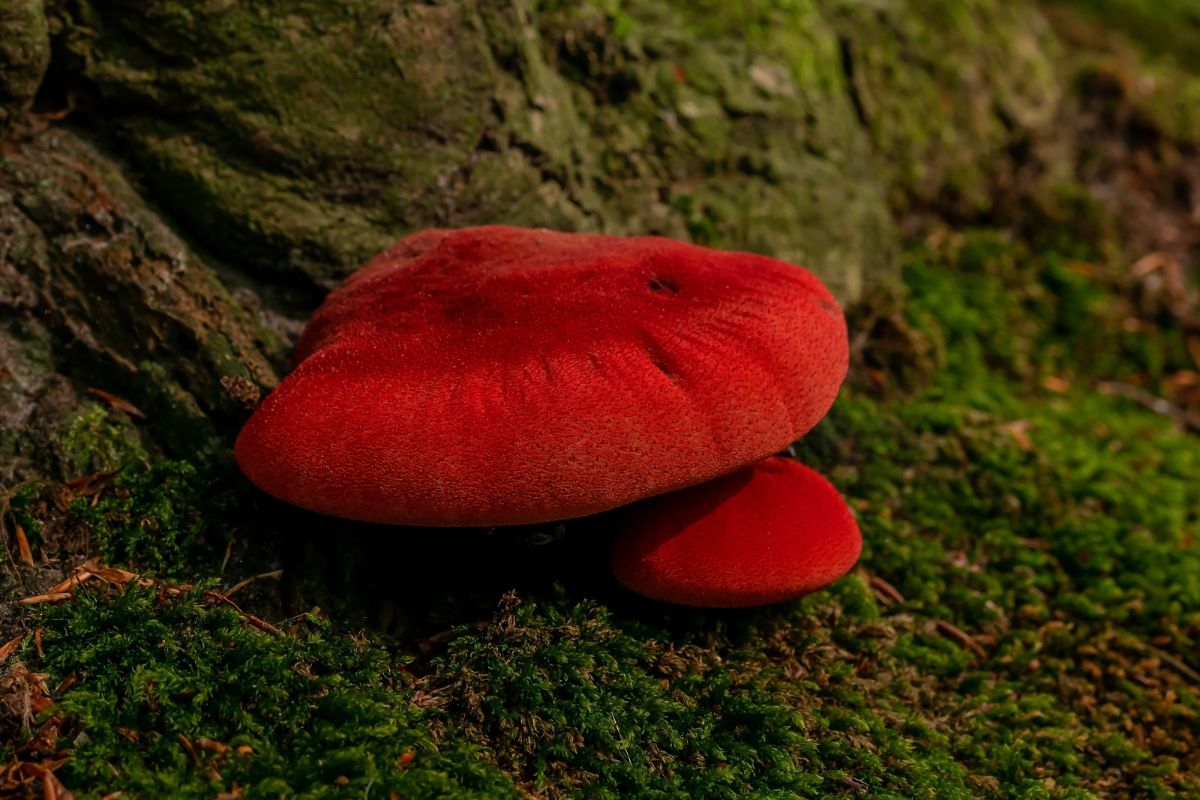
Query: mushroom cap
x,y
768,533
497,376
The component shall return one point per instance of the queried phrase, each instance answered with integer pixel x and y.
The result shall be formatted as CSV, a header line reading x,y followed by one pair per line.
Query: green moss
x,y
582,704
568,701
315,713
945,87
1025,517
97,439
173,518
1000,310
164,516
176,417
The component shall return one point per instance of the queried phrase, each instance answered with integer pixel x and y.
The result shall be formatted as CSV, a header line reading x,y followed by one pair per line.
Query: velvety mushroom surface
x,y
768,533
493,376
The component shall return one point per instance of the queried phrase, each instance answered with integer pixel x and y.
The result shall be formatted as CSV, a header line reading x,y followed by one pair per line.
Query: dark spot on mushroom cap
x,y
665,285
494,376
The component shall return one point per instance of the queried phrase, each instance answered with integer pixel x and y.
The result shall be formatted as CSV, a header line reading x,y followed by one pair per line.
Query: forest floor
x,y
1024,621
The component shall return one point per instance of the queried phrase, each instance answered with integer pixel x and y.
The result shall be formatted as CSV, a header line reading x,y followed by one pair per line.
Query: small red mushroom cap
x,y
769,533
502,376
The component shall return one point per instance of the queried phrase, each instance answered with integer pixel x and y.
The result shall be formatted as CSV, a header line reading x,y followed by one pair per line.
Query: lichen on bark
x,y
24,57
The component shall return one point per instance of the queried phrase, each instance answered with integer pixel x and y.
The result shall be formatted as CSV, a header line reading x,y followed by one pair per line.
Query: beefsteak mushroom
x,y
771,532
504,376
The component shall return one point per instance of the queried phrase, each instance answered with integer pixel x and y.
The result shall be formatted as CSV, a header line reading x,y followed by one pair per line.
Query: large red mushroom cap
x,y
769,533
496,376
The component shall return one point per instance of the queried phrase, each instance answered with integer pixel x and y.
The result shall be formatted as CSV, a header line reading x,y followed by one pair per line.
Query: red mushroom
x,y
769,533
497,376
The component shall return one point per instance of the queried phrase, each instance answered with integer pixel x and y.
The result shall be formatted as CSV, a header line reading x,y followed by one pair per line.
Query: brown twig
x,y
52,787
1180,667
1158,405
49,597
1172,661
5,503
191,751
23,545
118,403
884,592
244,582
253,621
956,633
890,596
10,647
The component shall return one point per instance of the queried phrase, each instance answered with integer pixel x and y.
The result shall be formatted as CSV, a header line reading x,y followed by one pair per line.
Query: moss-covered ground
x,y
1025,622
